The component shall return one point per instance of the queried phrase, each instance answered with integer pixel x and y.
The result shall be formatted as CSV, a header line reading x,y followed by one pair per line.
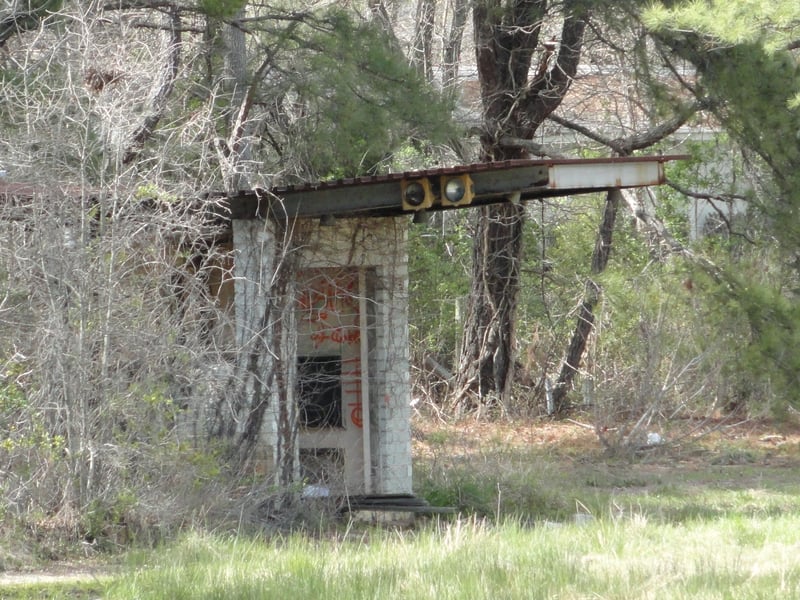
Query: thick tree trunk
x,y
487,352
514,105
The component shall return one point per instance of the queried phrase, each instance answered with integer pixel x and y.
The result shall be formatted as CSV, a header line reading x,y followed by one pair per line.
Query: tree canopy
x,y
749,73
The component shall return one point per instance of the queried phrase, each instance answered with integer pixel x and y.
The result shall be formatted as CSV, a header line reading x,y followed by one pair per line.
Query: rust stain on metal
x,y
471,168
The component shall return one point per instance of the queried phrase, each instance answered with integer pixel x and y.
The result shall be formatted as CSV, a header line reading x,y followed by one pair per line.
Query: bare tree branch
x,y
704,195
159,105
546,93
18,21
712,200
656,227
638,141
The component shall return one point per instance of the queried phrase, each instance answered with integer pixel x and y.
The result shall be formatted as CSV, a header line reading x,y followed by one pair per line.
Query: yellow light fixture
x,y
456,190
416,194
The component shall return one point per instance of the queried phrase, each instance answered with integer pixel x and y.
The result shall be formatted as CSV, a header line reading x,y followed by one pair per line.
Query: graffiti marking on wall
x,y
351,387
330,307
338,335
356,413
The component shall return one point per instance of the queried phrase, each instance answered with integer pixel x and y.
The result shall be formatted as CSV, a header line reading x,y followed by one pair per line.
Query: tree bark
x,y
514,105
452,48
487,353
422,48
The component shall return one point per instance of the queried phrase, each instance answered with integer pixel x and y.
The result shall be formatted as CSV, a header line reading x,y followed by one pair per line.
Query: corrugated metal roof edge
x,y
10,189
460,169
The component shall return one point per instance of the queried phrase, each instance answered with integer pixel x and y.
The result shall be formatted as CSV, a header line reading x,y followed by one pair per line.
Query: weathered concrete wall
x,y
372,250
263,406
378,246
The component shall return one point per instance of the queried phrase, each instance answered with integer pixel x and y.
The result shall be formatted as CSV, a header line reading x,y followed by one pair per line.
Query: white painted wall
x,y
376,248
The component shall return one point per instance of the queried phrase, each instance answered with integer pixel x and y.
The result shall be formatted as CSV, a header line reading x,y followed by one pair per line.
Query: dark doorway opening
x,y
319,391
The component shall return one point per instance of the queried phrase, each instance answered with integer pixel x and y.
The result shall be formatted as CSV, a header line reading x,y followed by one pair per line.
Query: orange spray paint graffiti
x,y
351,375
328,315
330,307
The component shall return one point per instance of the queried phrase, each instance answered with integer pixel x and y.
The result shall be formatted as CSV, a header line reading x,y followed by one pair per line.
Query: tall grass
x,y
669,527
736,557
698,522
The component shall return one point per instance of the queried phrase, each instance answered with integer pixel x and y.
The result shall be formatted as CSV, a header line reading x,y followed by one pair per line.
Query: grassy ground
x,y
553,471
546,513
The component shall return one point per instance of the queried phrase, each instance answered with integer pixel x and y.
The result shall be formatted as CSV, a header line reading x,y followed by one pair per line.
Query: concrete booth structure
x,y
336,405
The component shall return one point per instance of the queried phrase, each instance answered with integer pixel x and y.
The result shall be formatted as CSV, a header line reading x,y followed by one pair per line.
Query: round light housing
x,y
454,190
414,194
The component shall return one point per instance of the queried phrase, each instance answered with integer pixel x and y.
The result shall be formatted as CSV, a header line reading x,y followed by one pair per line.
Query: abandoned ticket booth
x,y
335,410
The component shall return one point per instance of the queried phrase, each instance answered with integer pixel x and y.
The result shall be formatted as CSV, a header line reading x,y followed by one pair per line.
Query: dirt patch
x,y
470,436
578,437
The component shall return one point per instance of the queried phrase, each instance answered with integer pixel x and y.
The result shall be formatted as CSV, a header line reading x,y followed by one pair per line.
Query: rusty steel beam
x,y
518,180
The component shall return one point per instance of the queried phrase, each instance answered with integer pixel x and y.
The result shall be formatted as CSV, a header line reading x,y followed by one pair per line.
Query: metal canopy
x,y
518,180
